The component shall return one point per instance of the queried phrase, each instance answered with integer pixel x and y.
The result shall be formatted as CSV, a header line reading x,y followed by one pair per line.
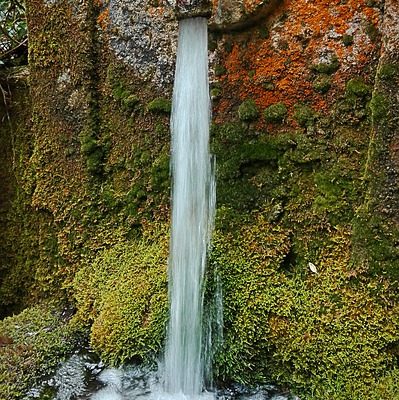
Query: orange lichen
x,y
303,33
103,19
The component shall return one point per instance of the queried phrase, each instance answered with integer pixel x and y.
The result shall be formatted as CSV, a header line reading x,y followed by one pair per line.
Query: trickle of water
x,y
193,203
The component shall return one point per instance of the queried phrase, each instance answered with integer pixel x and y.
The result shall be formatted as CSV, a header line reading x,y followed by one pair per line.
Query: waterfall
x,y
193,204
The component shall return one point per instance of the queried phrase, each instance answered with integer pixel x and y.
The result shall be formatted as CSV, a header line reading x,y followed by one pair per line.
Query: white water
x,y
193,203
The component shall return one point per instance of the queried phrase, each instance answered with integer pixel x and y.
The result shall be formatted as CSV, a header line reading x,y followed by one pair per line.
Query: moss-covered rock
x,y
160,105
124,294
32,344
328,66
248,111
304,115
275,113
322,84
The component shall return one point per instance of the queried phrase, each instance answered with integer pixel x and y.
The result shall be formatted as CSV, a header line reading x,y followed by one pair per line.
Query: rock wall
x,y
304,98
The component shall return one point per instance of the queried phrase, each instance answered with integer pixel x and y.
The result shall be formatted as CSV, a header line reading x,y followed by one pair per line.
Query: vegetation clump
x,y
248,111
160,105
347,40
328,66
31,345
379,107
124,294
304,115
357,87
322,84
388,72
275,113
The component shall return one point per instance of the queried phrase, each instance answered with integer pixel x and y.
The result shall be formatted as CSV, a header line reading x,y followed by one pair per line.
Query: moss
x,y
306,329
124,293
347,40
93,153
130,101
372,31
38,338
379,107
322,84
215,93
160,105
219,70
327,67
387,72
275,113
160,174
248,111
304,115
357,87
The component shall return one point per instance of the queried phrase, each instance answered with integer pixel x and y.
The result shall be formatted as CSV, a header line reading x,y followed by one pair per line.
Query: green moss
x,y
130,101
320,333
124,293
357,87
219,70
215,93
387,72
275,113
160,105
304,115
93,153
373,238
322,84
248,111
327,67
160,175
379,107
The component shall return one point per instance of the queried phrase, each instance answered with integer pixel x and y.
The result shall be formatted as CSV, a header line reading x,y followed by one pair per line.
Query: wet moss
x,y
125,297
388,72
357,87
379,106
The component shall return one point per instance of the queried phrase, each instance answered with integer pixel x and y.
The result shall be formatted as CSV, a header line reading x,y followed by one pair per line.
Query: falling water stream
x,y
193,206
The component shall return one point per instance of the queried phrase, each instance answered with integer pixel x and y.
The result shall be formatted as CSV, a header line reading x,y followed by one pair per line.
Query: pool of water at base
x,y
81,378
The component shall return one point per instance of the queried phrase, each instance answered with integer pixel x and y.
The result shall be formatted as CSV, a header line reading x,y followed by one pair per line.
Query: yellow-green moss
x,y
322,84
123,292
326,334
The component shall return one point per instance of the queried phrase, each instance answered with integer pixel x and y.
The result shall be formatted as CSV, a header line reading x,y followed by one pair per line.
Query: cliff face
x,y
305,104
